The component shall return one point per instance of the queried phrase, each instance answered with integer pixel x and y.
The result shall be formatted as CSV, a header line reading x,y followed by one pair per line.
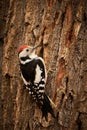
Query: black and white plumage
x,y
34,75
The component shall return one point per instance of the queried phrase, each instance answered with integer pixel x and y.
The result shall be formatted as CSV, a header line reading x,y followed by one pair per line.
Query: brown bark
x,y
61,28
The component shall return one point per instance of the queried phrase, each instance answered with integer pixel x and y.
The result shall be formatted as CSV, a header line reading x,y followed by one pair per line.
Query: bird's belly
x,y
29,76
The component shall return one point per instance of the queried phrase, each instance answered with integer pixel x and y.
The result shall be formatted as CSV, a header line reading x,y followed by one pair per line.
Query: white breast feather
x,y
38,75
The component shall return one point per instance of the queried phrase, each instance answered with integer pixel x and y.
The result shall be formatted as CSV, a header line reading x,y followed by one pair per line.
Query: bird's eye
x,y
27,50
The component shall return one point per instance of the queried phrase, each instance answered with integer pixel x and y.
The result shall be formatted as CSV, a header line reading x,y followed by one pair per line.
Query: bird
x,y
34,76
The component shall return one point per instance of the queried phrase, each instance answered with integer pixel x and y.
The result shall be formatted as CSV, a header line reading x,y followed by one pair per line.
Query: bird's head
x,y
27,51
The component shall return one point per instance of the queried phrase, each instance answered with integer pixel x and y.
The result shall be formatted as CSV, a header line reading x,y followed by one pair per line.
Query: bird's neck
x,y
27,59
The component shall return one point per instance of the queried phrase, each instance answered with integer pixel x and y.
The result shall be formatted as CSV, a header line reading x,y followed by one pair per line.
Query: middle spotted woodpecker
x,y
33,73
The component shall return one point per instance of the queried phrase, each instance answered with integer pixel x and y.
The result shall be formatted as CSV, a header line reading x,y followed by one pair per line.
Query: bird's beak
x,y
36,46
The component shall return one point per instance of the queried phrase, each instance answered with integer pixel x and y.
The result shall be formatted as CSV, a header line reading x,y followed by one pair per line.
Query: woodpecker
x,y
34,75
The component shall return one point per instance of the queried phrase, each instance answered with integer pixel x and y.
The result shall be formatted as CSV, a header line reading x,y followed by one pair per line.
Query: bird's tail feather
x,y
47,107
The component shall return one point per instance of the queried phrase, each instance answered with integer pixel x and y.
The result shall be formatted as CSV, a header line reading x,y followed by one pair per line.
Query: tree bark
x,y
60,26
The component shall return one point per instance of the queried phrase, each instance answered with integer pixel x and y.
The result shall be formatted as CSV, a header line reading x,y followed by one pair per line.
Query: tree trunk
x,y
60,26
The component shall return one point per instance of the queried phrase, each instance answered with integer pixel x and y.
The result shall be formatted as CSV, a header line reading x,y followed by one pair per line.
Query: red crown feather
x,y
22,48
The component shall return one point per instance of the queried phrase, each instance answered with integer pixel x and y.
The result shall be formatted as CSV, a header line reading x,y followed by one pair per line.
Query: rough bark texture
x,y
60,26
